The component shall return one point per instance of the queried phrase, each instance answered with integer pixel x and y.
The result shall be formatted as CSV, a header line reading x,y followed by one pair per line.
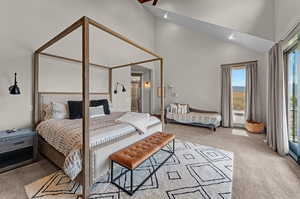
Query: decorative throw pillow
x,y
59,110
179,108
173,108
103,102
46,112
75,109
96,111
183,108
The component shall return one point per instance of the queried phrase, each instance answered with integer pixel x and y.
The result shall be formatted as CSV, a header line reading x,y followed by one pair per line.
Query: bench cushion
x,y
133,155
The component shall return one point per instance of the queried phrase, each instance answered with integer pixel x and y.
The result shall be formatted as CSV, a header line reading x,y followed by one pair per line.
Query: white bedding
x,y
138,120
110,133
66,136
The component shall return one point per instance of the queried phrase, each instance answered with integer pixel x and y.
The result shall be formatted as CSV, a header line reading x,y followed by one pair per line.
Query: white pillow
x,y
173,108
59,111
97,111
179,108
182,108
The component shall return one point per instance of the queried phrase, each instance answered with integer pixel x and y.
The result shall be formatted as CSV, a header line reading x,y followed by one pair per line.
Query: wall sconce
x,y
14,89
147,84
159,91
116,88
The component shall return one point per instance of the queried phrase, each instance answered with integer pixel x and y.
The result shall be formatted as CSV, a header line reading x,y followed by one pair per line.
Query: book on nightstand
x,y
17,148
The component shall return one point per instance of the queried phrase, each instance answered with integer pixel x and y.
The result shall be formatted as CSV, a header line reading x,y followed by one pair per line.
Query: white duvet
x,y
66,135
138,120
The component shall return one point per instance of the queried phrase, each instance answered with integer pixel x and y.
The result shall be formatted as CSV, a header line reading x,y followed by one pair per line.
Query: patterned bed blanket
x,y
66,136
194,117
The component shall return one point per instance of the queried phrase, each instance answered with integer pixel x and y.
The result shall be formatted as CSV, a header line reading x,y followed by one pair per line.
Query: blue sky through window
x,y
292,57
239,77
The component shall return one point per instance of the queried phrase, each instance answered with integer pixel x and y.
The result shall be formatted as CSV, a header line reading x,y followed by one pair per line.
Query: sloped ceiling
x,y
244,39
255,17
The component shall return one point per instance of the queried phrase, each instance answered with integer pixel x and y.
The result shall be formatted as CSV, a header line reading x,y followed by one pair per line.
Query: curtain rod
x,y
288,33
239,64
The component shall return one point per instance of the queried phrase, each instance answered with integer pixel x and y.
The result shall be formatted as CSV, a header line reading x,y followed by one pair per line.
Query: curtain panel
x,y
251,91
277,129
226,104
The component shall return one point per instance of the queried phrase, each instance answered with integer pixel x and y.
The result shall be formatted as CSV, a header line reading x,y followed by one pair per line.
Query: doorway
x,y
238,96
142,89
136,92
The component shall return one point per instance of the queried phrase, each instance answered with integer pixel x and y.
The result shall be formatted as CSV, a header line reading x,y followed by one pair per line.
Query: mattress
x,y
195,117
66,136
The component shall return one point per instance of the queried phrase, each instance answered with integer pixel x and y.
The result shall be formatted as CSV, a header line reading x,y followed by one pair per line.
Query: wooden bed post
x,y
162,93
135,63
110,84
86,105
85,22
35,116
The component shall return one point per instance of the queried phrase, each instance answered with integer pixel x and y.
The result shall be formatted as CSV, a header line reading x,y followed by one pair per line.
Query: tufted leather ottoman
x,y
134,155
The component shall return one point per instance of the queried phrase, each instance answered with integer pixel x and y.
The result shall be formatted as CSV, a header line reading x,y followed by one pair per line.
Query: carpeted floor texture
x,y
258,171
194,172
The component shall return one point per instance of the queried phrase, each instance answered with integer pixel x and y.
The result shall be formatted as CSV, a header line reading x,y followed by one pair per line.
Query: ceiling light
x,y
231,37
166,15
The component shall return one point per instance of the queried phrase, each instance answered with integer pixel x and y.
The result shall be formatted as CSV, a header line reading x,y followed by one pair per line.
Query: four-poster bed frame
x,y
85,23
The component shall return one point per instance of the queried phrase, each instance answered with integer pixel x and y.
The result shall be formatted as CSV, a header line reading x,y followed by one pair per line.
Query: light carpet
x,y
194,172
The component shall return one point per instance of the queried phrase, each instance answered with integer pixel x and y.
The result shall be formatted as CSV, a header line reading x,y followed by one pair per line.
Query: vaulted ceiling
x,y
252,29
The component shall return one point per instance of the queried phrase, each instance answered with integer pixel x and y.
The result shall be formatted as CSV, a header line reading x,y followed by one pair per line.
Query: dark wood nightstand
x,y
17,149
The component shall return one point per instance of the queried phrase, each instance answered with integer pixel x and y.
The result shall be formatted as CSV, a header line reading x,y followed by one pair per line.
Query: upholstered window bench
x,y
136,154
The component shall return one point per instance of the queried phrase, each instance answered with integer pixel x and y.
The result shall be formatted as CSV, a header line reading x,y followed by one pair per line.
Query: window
x,y
238,96
293,108
292,63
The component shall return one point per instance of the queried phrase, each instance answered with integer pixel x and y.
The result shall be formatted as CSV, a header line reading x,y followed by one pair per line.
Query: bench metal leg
x,y
131,181
132,191
173,146
112,171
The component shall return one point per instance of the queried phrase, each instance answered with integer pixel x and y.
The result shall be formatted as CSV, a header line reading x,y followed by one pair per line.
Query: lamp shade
x,y
14,89
123,89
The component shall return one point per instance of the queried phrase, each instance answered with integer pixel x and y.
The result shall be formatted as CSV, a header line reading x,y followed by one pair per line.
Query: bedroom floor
x,y
258,172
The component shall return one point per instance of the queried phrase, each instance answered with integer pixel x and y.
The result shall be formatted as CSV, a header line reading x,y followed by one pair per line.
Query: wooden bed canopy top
x,y
85,23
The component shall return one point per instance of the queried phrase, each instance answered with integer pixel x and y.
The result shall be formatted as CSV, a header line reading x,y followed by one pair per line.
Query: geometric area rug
x,y
194,172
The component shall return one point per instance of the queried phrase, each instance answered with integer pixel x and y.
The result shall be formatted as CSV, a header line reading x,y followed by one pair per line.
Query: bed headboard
x,y
45,98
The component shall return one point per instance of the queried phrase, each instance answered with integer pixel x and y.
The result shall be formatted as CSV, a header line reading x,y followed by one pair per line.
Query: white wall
x,y
26,25
287,15
250,16
60,76
122,100
192,65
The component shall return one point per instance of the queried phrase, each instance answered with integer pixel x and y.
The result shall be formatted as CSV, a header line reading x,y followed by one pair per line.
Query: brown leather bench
x,y
134,155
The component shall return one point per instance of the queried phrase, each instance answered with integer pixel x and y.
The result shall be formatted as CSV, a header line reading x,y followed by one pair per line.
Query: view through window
x,y
238,96
293,72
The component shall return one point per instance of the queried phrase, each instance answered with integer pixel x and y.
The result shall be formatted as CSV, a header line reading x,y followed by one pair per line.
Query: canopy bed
x,y
91,134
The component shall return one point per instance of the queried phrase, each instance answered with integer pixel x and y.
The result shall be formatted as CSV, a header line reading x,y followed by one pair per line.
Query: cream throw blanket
x,y
138,120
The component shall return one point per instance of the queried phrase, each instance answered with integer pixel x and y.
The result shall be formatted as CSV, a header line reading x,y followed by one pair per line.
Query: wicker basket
x,y
255,127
